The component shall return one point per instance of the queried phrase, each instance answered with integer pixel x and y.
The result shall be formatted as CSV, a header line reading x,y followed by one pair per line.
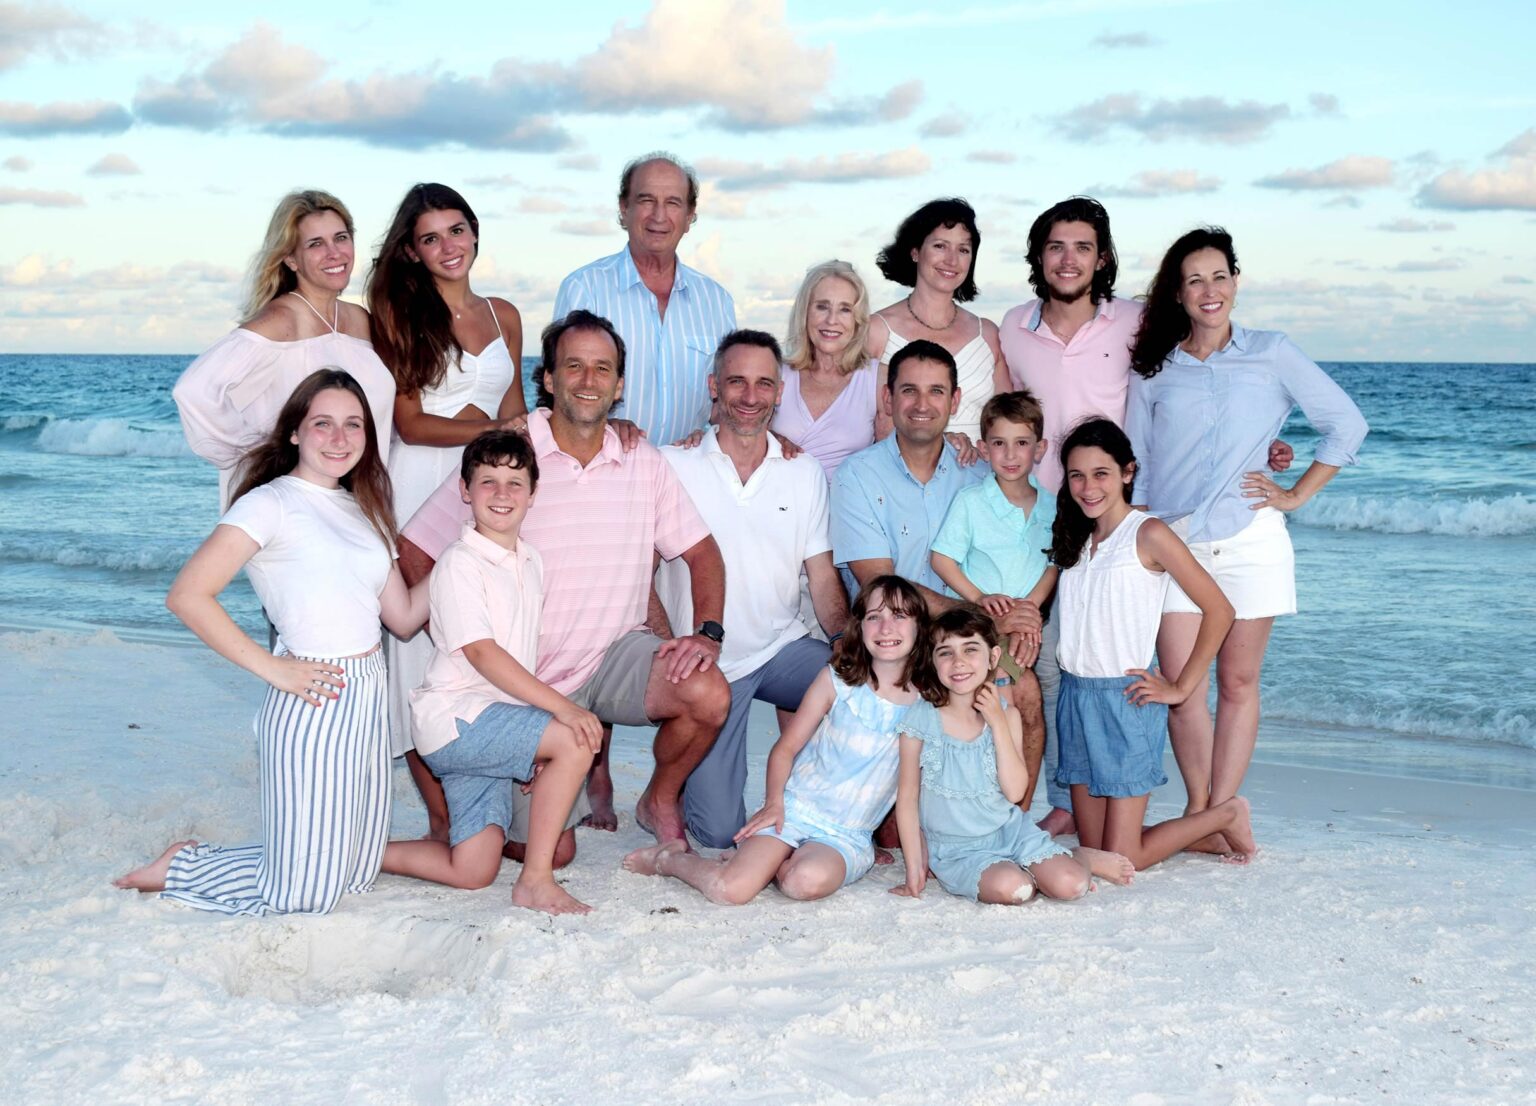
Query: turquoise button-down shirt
x,y
880,510
999,548
1198,426
668,358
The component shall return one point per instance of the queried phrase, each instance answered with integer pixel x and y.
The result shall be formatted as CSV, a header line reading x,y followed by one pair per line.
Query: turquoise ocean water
x,y
1416,569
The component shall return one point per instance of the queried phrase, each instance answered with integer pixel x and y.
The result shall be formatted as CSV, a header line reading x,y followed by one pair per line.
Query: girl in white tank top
x,y
1112,713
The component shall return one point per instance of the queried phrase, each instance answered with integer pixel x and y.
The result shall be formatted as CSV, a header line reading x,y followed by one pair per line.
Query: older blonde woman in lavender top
x,y
830,407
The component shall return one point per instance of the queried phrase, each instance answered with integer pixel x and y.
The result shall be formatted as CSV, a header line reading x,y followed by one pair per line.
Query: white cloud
x,y
737,62
1428,265
945,126
27,29
114,165
17,164
1414,226
590,228
542,205
992,157
1151,183
1507,185
1198,118
43,120
1346,174
1129,40
842,169
37,197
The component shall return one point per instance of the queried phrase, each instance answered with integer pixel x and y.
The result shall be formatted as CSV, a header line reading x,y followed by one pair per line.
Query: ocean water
x,y
1416,569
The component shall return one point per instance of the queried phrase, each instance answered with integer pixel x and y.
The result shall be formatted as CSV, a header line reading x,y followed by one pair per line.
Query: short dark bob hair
x,y
895,260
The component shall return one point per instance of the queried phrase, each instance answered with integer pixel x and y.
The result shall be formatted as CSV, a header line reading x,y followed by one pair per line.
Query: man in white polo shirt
x,y
768,515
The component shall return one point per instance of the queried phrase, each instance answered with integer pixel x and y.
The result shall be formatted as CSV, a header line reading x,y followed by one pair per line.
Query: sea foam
x,y
111,438
1479,518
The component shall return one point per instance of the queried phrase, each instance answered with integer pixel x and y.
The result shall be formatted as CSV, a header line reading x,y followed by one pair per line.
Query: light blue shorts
x,y
1106,741
958,862
801,827
478,768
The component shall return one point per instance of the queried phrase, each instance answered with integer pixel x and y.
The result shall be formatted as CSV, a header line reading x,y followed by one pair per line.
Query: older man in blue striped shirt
x,y
670,316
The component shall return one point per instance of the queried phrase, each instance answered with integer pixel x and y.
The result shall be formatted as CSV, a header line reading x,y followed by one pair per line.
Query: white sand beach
x,y
1382,948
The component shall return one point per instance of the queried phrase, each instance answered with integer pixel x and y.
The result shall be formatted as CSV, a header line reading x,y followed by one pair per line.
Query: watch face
x,y
713,630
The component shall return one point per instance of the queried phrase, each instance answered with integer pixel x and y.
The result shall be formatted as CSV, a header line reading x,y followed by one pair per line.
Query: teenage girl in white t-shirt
x,y
310,522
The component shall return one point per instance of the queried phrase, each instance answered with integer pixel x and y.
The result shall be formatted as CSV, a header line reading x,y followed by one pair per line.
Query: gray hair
x,y
628,176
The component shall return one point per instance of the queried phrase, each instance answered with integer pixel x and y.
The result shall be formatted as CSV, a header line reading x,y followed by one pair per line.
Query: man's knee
x,y
706,697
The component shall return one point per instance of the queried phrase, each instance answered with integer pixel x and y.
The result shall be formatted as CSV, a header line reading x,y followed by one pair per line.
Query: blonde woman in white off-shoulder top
x,y
294,324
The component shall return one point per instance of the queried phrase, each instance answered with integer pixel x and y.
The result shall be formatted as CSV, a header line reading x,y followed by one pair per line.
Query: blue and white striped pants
x,y
324,806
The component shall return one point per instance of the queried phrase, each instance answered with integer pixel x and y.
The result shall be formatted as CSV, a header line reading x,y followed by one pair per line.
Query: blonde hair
x,y
269,277
799,354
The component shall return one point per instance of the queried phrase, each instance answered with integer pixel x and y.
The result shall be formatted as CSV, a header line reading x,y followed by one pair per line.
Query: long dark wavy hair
x,y
1165,323
277,455
412,326
895,260
1072,528
1078,209
851,659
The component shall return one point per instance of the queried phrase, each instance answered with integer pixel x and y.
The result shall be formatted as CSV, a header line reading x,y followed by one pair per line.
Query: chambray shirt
x,y
1198,427
668,357
998,547
880,510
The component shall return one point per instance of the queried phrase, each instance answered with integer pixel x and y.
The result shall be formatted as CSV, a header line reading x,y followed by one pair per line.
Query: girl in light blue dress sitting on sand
x,y
831,774
962,775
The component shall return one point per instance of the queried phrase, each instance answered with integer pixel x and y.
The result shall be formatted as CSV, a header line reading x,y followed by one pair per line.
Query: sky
x,y
1376,168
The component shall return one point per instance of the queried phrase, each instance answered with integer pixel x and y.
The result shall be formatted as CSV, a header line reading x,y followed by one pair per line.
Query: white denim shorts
x,y
1255,568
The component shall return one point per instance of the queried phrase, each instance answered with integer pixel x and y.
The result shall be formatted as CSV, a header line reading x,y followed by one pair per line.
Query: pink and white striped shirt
x,y
595,528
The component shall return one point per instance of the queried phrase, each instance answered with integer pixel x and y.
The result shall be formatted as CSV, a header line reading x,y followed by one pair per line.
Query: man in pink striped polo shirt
x,y
600,515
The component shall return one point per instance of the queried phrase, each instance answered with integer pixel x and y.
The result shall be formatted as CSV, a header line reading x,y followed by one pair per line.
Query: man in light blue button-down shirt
x,y
670,316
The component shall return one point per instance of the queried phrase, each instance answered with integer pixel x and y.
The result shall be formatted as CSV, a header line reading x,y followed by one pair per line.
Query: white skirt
x,y
1255,568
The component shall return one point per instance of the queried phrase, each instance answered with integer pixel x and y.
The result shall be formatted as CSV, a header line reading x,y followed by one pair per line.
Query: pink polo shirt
x,y
595,528
1072,380
480,591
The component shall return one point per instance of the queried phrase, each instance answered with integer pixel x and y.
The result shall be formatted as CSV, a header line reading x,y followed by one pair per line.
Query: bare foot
x,y
1058,822
1240,832
884,856
663,822
1107,865
644,862
151,877
549,897
600,799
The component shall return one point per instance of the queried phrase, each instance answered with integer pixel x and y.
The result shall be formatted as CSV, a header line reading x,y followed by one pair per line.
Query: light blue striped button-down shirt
x,y
667,358
1198,426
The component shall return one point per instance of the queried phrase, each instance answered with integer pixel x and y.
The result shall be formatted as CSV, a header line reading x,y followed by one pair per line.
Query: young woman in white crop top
x,y
311,524
455,356
1112,711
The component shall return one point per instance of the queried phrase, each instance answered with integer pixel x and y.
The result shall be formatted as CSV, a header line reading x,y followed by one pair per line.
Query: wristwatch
x,y
712,630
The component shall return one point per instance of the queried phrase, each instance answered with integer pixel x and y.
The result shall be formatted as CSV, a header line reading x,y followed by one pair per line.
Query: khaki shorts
x,y
616,694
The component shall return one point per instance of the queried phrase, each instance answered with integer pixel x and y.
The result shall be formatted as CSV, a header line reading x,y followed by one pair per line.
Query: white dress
x,y
479,380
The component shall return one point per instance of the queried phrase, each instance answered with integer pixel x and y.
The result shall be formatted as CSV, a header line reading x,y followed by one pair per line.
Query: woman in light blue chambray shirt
x,y
1206,400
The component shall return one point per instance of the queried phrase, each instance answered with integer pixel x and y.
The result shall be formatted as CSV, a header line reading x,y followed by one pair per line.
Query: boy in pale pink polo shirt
x,y
482,720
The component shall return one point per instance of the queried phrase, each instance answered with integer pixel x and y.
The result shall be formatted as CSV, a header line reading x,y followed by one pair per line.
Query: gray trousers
x,y
713,804
1049,675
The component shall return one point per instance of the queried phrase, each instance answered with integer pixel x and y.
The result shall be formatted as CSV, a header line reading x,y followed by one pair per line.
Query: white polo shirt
x,y
479,591
766,529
